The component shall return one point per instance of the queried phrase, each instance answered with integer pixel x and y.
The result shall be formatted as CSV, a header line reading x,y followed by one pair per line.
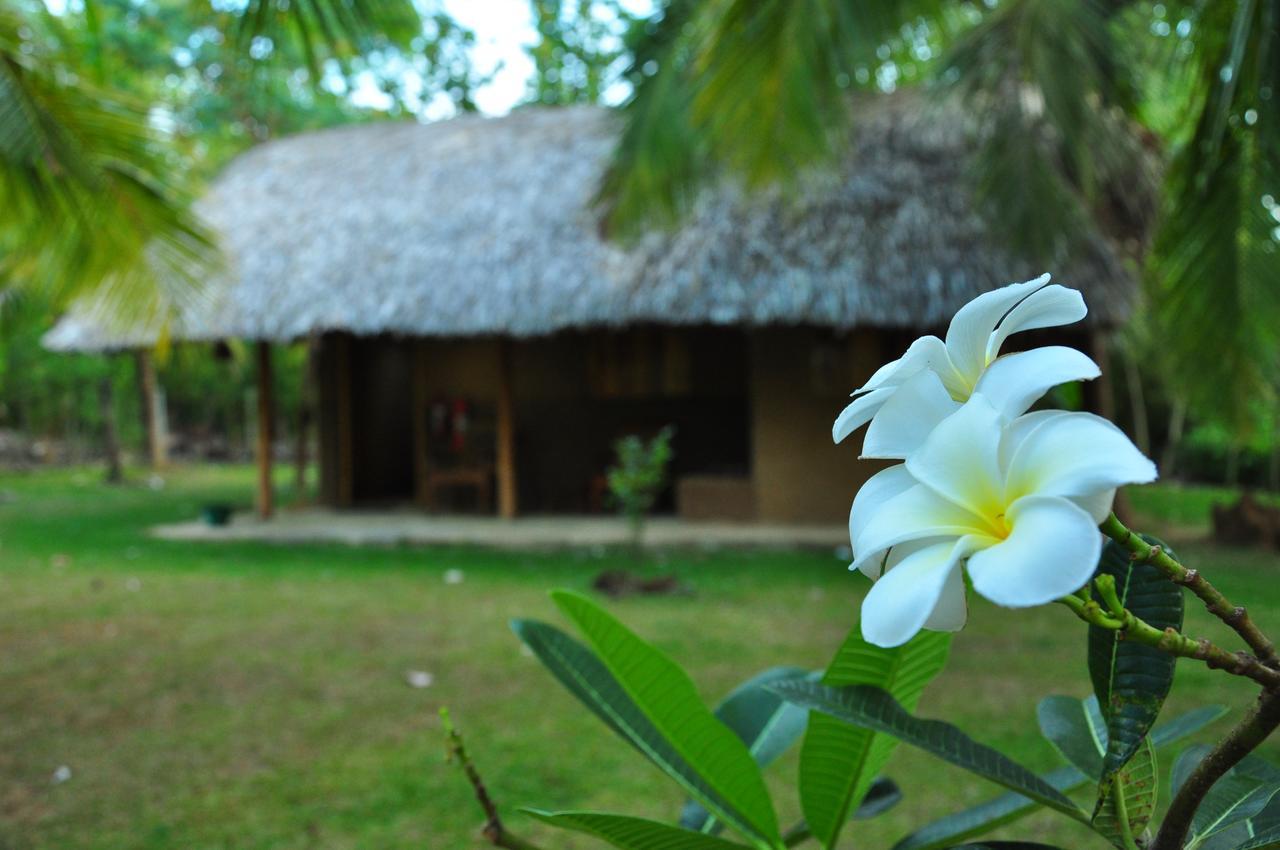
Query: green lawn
x,y
248,696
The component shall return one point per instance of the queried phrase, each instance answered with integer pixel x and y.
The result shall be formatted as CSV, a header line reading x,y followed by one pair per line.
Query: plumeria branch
x,y
1234,616
494,830
1108,612
1246,737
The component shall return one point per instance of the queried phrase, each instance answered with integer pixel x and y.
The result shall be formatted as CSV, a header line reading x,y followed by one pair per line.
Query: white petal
x,y
1017,430
914,515
1096,505
899,604
927,352
1014,382
859,413
874,493
1076,454
952,609
975,322
902,424
1049,307
961,458
1052,549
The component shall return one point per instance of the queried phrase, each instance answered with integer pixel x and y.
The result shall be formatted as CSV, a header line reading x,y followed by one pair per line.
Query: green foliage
x,y
1075,729
763,721
988,816
839,762
628,833
1238,807
91,201
1132,680
638,476
580,52
873,708
1127,800
648,699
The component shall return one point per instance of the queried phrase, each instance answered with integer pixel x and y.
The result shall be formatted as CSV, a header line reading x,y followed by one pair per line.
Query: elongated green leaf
x,y
1257,830
1238,807
628,833
587,678
1260,831
882,796
1129,798
838,762
1006,845
1132,680
987,816
1010,807
762,720
1077,731
873,708
729,781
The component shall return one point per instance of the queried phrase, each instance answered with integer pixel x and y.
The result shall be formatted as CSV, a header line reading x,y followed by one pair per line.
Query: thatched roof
x,y
484,226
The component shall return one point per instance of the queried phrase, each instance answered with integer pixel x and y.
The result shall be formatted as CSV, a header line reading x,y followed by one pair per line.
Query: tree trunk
x,y
110,439
1137,403
1177,423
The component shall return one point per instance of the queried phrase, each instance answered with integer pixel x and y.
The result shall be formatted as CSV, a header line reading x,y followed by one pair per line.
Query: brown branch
x,y
1248,734
1234,616
494,830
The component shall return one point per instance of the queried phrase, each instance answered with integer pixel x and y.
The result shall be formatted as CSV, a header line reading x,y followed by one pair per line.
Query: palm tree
x,y
759,88
96,197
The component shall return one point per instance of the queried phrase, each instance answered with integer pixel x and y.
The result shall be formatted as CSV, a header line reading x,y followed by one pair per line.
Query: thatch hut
x,y
476,332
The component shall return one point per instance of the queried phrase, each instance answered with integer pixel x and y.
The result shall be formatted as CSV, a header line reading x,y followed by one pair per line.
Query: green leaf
x,y
1008,808
838,762
586,677
1128,798
873,708
1132,680
1260,831
1076,730
1006,845
883,795
1236,807
987,816
762,720
712,763
1257,830
628,833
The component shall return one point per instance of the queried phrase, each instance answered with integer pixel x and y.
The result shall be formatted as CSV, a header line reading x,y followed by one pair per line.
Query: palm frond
x,y
328,29
90,202
755,88
1051,94
1215,275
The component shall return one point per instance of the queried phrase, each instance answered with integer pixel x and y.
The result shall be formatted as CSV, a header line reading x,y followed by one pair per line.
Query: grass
x,y
250,696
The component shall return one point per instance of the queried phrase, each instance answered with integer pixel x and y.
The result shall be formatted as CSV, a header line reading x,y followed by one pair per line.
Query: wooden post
x,y
110,442
152,410
346,444
266,430
421,425
306,415
506,472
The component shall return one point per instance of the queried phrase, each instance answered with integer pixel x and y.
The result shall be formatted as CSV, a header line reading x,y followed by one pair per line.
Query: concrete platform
x,y
391,528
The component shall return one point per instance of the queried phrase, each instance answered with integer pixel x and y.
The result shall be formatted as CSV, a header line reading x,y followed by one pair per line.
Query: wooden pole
x,y
266,430
506,473
346,438
421,425
152,414
110,441
306,415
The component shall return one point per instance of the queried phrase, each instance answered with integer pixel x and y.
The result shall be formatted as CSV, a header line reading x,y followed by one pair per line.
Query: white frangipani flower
x,y
905,399
1018,502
